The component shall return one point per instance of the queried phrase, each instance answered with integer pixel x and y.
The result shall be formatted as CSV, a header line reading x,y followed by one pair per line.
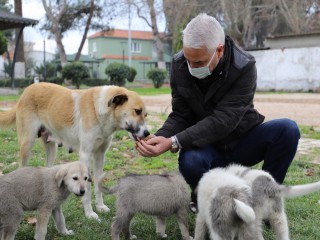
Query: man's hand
x,y
154,146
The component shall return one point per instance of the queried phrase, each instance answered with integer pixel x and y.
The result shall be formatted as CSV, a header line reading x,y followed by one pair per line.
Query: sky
x,y
34,9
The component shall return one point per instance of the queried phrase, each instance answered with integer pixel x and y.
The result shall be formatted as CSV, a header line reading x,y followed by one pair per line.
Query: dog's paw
x,y
102,208
161,235
93,215
133,237
69,232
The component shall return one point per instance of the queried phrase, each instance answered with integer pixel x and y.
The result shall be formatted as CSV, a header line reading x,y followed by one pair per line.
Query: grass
x,y
303,212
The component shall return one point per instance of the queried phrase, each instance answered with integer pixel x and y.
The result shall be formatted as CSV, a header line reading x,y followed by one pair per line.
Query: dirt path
x,y
304,108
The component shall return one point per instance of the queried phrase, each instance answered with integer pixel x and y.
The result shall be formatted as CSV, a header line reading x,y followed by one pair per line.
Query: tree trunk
x,y
84,36
20,62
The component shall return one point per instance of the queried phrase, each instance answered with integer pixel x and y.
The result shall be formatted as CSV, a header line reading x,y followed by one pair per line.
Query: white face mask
x,y
201,72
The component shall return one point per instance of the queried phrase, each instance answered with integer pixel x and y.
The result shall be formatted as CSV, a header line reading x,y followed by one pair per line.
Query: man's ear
x,y
117,100
60,175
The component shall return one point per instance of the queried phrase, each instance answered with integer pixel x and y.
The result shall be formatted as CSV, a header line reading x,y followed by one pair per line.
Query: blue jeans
x,y
275,142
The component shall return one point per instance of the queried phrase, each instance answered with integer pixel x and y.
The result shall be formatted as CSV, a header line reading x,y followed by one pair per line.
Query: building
x,y
112,46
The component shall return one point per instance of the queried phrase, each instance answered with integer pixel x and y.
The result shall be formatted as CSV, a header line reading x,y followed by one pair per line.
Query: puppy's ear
x,y
60,175
117,100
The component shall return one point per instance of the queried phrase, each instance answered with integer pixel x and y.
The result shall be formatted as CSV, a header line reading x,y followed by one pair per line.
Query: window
x,y
136,47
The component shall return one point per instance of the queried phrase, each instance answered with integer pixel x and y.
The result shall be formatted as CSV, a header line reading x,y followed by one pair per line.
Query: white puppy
x,y
224,203
267,198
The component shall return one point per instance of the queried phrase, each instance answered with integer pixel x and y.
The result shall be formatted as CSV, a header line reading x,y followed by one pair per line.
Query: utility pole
x,y
129,37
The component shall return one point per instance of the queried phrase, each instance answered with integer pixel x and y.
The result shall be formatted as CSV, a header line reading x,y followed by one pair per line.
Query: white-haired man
x,y
213,121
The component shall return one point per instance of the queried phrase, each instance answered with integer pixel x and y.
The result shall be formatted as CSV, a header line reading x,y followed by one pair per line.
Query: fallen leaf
x,y
310,172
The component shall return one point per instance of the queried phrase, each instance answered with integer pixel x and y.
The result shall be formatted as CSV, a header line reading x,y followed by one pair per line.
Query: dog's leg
x,y
60,221
98,168
279,223
200,228
182,217
42,224
51,150
85,157
9,232
161,227
120,224
26,143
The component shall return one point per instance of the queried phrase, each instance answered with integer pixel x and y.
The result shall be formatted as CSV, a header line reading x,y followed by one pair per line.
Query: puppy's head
x,y
74,176
130,112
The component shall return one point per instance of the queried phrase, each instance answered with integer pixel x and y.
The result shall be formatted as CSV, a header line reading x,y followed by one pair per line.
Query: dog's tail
x,y
299,190
244,211
105,189
8,118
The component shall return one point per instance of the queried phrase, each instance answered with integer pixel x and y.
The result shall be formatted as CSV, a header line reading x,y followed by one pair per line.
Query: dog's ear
x,y
118,100
60,175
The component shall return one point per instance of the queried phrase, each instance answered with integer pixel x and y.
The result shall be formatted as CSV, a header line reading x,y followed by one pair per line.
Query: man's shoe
x,y
193,207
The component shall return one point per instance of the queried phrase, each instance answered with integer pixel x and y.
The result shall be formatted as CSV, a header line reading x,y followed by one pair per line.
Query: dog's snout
x,y
146,133
82,191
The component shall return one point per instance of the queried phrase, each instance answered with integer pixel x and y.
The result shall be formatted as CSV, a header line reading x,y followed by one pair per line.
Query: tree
x,y
76,72
298,14
67,15
3,43
20,51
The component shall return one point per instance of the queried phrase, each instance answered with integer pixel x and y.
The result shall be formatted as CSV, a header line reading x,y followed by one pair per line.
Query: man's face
x,y
200,57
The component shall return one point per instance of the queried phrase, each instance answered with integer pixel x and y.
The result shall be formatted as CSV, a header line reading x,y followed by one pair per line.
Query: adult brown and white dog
x,y
83,120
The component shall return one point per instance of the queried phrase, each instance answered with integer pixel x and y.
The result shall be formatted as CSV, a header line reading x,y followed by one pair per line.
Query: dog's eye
x,y
75,178
138,111
85,178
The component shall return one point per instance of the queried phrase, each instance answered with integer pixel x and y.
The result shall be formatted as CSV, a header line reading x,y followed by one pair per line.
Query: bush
x,y
76,72
118,73
92,82
132,74
157,76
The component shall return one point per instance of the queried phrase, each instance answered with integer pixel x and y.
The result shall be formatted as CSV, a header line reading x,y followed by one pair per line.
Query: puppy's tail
x,y
299,190
103,188
8,118
244,211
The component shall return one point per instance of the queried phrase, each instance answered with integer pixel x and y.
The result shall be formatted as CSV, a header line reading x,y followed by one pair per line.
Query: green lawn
x,y
303,212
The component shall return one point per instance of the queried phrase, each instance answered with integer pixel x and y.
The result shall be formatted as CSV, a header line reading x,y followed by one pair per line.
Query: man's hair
x,y
203,30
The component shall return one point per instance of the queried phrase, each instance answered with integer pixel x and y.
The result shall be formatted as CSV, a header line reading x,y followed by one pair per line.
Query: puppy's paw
x,y
133,237
162,235
93,215
102,208
69,232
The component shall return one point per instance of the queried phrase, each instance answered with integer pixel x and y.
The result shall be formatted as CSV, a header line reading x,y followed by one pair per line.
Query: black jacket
x,y
224,113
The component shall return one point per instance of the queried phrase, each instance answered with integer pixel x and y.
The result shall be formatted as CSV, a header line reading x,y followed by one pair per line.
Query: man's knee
x,y
290,130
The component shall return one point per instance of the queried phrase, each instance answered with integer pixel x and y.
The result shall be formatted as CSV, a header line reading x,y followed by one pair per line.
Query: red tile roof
x,y
119,33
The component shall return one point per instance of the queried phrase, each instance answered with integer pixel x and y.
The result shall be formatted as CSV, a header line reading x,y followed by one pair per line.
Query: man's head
x,y
203,44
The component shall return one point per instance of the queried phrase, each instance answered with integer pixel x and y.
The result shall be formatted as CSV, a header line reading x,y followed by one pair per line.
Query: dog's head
x,y
74,176
130,112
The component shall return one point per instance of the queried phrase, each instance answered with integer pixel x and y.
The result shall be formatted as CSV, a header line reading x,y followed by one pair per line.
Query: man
x,y
213,121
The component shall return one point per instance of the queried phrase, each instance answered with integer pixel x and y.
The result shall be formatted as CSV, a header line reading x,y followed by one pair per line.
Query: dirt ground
x,y
304,108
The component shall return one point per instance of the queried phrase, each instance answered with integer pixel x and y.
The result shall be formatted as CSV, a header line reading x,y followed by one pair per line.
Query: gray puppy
x,y
39,188
157,195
